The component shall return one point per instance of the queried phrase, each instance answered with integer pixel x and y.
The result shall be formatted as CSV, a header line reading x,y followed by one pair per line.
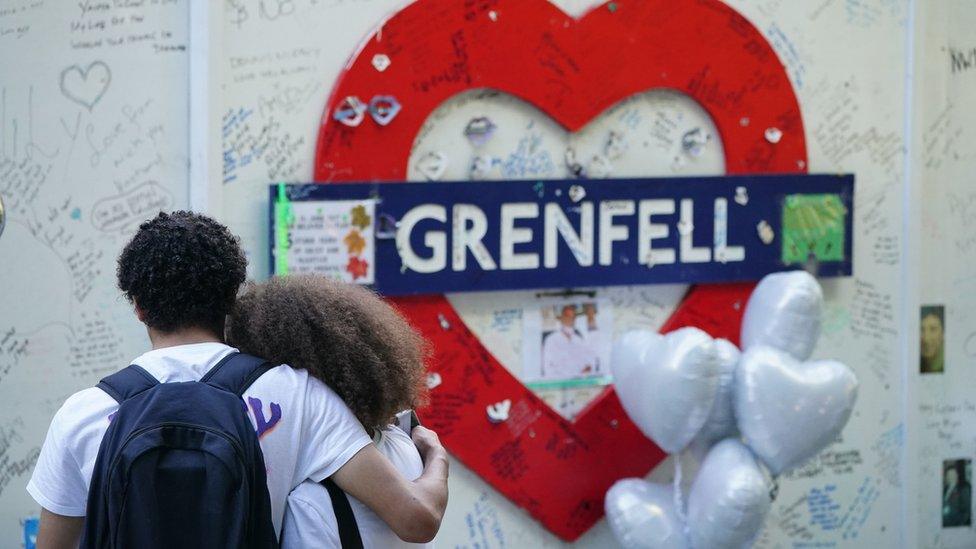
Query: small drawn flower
x,y
355,242
357,267
360,218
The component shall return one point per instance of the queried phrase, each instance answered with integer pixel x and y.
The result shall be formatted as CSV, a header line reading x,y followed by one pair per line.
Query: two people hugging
x,y
338,365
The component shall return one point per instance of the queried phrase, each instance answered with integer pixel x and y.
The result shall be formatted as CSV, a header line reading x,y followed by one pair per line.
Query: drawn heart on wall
x,y
86,86
572,70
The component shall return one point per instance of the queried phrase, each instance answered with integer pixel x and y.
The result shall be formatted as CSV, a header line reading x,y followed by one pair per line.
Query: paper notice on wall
x,y
813,227
566,342
333,238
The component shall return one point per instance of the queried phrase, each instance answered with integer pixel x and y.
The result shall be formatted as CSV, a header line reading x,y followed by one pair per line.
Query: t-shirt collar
x,y
183,362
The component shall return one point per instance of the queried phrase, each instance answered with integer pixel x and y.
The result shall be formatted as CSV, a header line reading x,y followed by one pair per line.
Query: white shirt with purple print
x,y
306,431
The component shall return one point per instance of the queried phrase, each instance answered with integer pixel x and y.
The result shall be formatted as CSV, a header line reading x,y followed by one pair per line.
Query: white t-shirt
x,y
310,521
565,355
306,430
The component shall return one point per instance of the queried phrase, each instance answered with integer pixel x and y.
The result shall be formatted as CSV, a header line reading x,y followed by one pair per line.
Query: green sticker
x,y
813,227
283,222
570,383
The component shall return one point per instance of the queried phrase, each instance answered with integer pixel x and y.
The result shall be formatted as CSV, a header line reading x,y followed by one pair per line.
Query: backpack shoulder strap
x,y
127,383
236,372
348,529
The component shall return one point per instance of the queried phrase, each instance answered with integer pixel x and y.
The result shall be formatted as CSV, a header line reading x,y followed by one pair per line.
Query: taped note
x,y
336,239
813,227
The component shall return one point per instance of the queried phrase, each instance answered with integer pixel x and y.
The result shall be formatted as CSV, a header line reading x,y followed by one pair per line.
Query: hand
x,y
426,440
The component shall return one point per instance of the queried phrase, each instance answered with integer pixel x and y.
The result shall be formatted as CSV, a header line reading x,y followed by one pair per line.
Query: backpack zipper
x,y
134,434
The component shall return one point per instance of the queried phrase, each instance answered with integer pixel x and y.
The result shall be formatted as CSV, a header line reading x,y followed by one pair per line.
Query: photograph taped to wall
x,y
957,493
566,342
932,342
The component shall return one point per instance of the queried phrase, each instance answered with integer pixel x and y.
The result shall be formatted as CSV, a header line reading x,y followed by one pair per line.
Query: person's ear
x,y
140,314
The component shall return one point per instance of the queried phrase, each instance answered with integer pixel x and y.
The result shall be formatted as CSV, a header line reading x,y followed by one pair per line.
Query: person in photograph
x,y
596,336
589,311
956,495
932,348
565,352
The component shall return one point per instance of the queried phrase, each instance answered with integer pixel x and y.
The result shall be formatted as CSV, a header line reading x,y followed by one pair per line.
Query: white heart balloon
x,y
641,515
789,410
630,374
729,498
667,384
721,421
784,312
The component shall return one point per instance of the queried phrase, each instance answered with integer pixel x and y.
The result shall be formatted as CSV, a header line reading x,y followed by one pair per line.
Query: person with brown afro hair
x,y
343,334
361,347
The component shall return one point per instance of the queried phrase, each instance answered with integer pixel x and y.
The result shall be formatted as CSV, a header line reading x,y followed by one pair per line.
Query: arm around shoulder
x,y
413,510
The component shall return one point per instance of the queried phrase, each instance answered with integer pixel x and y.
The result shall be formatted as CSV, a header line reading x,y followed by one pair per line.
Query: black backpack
x,y
180,464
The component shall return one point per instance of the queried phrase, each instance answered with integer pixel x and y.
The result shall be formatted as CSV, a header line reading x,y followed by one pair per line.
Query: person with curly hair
x,y
358,345
182,272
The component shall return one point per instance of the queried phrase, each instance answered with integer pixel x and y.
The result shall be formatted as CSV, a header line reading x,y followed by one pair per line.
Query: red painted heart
x,y
573,70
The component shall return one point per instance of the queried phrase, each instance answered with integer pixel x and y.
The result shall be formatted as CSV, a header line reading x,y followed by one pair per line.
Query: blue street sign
x,y
406,238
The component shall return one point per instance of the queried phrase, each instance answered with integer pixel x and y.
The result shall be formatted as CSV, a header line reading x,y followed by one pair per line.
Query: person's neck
x,y
183,336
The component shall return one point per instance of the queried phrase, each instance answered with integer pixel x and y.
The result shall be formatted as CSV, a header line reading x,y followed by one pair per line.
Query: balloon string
x,y
774,490
679,504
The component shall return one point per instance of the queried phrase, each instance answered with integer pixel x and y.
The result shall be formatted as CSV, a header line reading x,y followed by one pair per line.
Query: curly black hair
x,y
343,334
182,270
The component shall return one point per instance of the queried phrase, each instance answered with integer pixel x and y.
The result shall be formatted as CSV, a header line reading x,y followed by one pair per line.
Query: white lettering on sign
x,y
581,243
435,240
689,253
470,224
610,233
467,237
648,232
723,252
512,235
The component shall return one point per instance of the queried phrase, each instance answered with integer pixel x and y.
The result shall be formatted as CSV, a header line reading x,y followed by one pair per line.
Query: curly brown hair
x,y
343,334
